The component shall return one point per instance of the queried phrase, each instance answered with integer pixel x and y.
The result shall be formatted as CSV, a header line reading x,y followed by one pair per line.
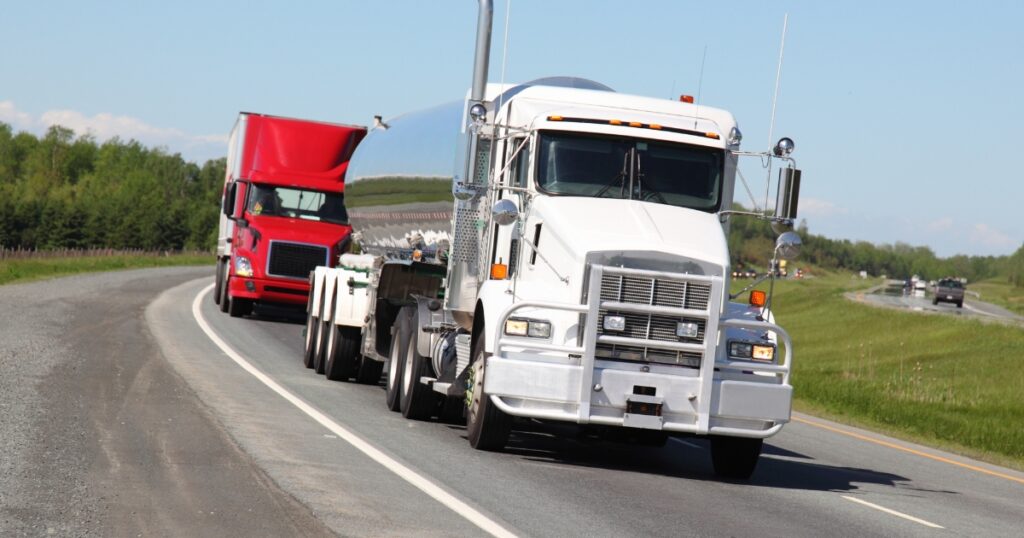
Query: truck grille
x,y
294,260
656,327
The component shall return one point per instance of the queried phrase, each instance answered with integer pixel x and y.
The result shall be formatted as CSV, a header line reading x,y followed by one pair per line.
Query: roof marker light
x,y
686,99
554,118
635,124
615,122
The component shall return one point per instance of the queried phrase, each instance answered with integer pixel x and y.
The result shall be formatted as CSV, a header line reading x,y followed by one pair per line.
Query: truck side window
x,y
521,168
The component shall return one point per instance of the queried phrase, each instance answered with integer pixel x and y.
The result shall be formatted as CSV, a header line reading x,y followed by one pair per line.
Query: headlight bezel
x,y
744,350
528,328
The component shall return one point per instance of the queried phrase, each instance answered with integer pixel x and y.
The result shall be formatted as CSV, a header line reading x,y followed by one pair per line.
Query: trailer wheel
x,y
735,457
312,324
418,402
342,361
369,371
225,295
239,307
399,341
218,282
487,427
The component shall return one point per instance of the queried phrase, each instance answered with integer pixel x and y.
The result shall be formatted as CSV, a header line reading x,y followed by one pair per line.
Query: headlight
x,y
748,351
687,329
615,323
242,266
528,327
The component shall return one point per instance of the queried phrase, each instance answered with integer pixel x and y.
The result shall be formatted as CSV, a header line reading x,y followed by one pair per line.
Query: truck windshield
x,y
611,167
269,200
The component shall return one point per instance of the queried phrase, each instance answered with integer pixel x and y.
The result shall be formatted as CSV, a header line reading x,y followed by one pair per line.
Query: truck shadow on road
x,y
690,458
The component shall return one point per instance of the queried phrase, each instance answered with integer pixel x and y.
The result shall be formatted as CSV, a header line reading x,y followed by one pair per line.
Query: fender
x,y
425,317
494,297
319,275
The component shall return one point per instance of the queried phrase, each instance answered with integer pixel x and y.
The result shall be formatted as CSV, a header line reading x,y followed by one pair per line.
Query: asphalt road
x,y
973,308
313,455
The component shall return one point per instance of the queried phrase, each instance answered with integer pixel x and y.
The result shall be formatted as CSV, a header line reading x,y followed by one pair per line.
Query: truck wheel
x,y
218,282
418,402
935,301
399,341
342,360
225,295
959,304
369,371
312,325
239,307
487,427
735,457
320,355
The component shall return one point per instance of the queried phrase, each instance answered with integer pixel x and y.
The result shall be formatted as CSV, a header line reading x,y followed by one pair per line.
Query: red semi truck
x,y
282,211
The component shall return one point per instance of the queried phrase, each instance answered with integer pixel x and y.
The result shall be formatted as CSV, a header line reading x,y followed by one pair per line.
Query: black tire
x,y
342,360
418,401
320,356
218,282
487,427
735,457
960,304
238,307
935,302
225,295
312,326
399,343
369,371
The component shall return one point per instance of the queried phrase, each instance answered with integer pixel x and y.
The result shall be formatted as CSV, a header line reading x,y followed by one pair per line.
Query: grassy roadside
x,y
999,292
26,270
943,381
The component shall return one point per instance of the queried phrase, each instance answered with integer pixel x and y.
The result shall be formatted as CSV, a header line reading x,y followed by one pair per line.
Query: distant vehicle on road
x,y
920,286
949,290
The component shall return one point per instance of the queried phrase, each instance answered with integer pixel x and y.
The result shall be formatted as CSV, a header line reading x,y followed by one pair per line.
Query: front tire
x,y
487,427
735,457
239,307
225,295
369,371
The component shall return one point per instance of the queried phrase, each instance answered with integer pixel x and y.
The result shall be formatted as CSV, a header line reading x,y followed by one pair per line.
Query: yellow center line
x,y
909,450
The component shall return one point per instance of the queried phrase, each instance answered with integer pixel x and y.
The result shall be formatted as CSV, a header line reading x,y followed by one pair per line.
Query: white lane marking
x,y
893,512
405,473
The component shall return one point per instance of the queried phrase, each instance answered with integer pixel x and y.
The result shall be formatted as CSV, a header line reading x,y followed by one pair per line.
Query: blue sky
x,y
907,116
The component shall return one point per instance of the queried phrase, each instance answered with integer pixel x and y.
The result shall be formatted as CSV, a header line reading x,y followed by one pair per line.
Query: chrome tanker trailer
x,y
555,250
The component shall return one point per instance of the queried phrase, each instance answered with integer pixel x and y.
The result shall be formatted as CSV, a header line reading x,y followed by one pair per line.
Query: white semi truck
x,y
571,266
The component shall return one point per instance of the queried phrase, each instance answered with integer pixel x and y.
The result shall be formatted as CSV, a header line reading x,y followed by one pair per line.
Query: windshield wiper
x,y
651,193
620,177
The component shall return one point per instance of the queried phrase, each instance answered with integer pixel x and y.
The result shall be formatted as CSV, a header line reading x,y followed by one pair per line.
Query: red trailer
x,y
283,210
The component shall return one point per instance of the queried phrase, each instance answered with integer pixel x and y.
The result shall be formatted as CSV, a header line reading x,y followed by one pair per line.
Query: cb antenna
x,y
775,100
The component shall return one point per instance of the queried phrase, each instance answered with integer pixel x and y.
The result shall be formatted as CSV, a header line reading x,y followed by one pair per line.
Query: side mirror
x,y
787,246
238,200
789,193
228,205
462,192
505,212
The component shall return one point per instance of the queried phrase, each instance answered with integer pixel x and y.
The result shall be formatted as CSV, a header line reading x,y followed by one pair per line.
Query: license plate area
x,y
643,412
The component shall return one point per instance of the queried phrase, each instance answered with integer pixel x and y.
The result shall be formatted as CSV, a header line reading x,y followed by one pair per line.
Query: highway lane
x,y
816,478
973,308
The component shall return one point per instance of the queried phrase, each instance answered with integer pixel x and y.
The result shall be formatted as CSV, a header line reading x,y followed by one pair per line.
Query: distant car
x,y
920,286
949,290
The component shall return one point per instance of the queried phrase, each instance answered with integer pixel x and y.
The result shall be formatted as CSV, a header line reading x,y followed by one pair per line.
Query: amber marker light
x,y
554,118
712,135
499,271
655,126
635,124
758,298
615,122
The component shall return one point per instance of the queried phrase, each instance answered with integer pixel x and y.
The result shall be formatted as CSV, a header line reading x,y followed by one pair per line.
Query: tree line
x,y
63,191
751,243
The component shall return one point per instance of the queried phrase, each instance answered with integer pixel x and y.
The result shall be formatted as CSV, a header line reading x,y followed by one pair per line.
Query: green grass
x,y
941,380
393,191
1000,292
26,270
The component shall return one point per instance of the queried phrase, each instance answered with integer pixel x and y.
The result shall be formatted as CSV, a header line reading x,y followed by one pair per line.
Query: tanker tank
x,y
399,184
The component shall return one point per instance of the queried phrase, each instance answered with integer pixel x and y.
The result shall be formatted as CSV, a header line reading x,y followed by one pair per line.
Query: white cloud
x,y
989,236
941,225
105,126
813,207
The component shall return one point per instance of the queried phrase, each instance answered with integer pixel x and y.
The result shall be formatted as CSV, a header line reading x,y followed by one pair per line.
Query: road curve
x,y
133,424
816,478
